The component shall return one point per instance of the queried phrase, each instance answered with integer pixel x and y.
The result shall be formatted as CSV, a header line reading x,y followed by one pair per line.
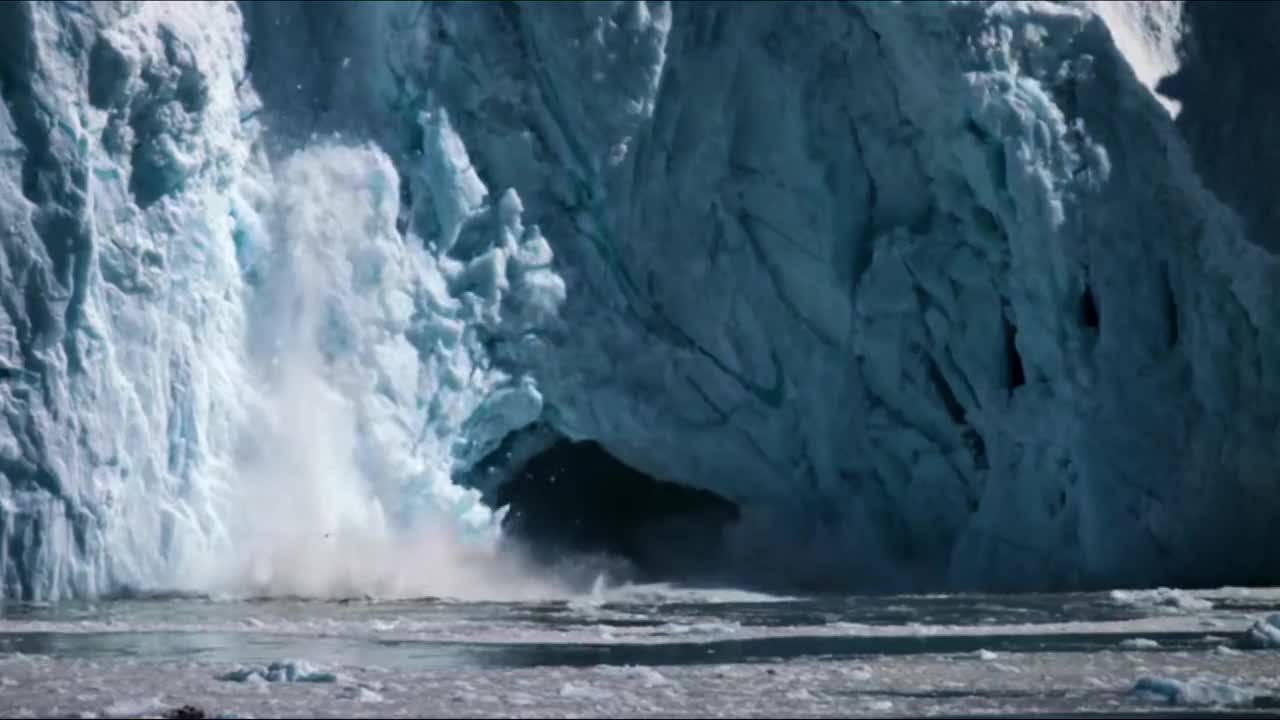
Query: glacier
x,y
940,295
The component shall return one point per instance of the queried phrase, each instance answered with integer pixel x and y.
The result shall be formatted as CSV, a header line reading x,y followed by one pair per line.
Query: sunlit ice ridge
x,y
879,296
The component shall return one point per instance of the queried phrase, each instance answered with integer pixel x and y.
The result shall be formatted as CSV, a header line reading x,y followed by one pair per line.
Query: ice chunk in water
x,y
282,671
1139,644
360,693
583,691
1192,693
1263,634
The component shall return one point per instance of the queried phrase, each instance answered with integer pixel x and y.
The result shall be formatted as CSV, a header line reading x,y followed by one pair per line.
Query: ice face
x,y
120,287
932,292
936,294
226,369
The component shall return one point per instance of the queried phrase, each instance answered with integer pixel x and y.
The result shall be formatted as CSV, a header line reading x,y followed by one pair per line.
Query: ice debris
x,y
360,693
1263,634
1139,644
281,671
1192,693
1162,597
647,676
132,707
583,691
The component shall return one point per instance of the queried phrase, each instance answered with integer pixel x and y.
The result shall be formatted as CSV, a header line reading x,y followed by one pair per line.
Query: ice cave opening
x,y
575,507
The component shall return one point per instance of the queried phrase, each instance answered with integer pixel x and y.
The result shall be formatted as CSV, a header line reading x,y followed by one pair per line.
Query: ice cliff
x,y
939,294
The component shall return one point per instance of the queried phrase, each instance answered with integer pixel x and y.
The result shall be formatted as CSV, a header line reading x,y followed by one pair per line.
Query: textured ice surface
x,y
120,314
937,293
954,306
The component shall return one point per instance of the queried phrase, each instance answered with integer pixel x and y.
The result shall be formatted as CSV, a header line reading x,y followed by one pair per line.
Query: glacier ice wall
x,y
933,291
120,386
940,294
227,368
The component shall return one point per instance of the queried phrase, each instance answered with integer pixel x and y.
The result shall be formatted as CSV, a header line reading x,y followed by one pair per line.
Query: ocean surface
x,y
644,651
